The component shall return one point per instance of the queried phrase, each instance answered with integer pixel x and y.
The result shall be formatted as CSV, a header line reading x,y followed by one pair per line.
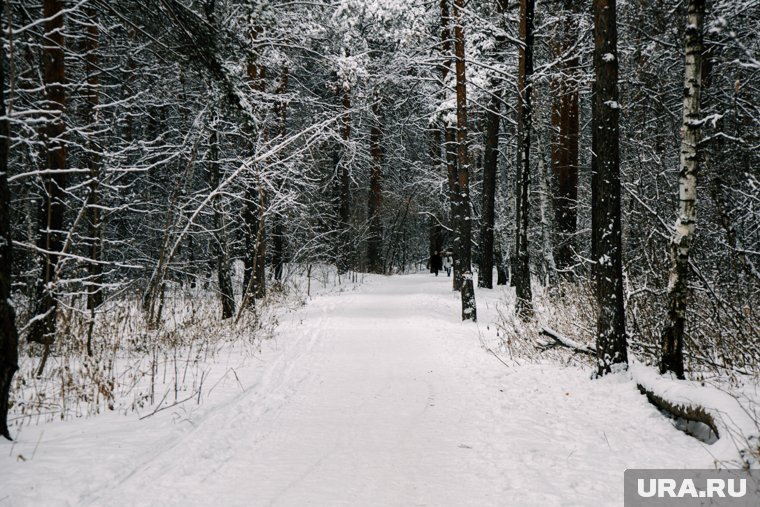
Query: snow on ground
x,y
375,397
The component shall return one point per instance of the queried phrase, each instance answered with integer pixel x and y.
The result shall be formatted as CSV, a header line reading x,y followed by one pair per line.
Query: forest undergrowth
x,y
133,367
723,352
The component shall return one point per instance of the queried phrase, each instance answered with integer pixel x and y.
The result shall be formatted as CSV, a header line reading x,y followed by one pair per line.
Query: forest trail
x,y
382,397
392,401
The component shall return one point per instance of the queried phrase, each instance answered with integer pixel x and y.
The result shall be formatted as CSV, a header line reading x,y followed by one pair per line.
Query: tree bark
x,y
223,268
565,123
607,247
450,147
501,266
464,233
259,267
251,211
278,223
344,187
50,240
254,279
375,201
435,229
454,205
490,166
524,307
8,332
94,218
491,163
547,225
680,244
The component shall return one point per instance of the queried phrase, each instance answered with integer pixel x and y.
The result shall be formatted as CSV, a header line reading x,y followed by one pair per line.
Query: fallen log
x,y
564,341
733,420
688,412
716,409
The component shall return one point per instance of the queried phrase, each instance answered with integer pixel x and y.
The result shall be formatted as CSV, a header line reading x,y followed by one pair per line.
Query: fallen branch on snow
x,y
687,411
734,425
564,341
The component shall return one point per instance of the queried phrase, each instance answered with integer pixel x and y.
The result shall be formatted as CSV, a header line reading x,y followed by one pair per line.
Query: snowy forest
x,y
181,179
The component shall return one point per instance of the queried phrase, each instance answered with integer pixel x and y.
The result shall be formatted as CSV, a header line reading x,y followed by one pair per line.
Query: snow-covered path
x,y
382,397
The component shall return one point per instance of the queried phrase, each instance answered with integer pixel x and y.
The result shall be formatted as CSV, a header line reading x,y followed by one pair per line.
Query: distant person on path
x,y
436,264
448,262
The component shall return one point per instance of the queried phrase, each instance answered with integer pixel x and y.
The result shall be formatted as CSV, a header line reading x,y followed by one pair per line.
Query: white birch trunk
x,y
672,339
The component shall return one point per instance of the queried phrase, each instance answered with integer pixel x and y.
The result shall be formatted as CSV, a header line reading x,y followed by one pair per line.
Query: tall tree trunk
x,y
547,226
490,165
8,333
223,268
565,123
605,193
254,281
259,268
450,148
278,222
524,307
374,244
501,266
491,162
256,288
454,204
94,219
344,187
254,284
680,245
50,241
464,232
435,230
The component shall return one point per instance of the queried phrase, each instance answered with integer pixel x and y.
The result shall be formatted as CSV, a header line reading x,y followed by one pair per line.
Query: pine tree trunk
x,y
524,295
94,219
223,269
278,222
50,241
344,189
605,187
259,282
501,267
547,225
680,245
374,243
260,251
454,199
464,232
249,235
435,230
256,219
254,281
92,156
450,147
8,333
565,122
256,80
490,165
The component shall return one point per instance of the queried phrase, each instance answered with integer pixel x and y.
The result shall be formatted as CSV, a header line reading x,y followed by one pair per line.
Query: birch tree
x,y
680,245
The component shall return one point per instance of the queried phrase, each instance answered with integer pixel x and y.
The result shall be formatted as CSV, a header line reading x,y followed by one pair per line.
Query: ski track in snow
x,y
372,398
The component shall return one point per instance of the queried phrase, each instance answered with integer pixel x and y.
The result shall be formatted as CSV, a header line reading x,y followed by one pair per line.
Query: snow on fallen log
x,y
735,424
564,341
